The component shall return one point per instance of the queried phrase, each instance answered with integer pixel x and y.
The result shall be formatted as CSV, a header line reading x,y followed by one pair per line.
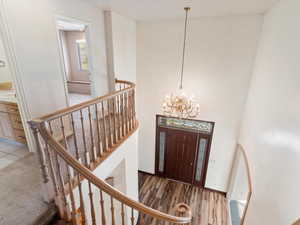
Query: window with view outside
x,y
82,55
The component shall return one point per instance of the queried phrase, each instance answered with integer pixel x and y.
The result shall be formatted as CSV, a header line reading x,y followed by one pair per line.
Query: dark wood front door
x,y
183,148
181,153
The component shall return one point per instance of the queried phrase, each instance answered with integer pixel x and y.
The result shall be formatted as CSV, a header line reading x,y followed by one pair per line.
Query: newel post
x,y
39,151
183,210
41,157
297,222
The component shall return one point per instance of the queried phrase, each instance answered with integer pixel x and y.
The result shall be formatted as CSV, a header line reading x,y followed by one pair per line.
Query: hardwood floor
x,y
208,207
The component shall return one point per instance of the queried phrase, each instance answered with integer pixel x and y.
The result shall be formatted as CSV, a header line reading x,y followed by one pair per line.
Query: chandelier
x,y
179,104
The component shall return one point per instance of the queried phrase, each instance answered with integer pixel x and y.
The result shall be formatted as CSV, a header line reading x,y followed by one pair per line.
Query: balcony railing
x,y
72,142
240,187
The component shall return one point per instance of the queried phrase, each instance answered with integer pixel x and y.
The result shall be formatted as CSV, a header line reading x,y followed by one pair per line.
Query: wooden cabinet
x,y
11,126
182,149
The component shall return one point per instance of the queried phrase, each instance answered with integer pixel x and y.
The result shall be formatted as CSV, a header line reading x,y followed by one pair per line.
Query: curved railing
x,y
240,186
74,141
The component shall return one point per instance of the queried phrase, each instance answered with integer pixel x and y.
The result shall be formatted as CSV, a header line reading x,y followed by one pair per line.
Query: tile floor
x,y
11,152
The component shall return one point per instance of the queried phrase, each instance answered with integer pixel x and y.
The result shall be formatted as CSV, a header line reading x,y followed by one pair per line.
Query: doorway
x,y
181,152
75,57
183,149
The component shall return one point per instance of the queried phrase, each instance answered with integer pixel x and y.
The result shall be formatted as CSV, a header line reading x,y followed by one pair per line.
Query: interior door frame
x,y
206,162
16,75
62,64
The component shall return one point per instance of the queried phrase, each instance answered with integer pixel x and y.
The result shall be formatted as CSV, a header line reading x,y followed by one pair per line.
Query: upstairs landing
x,y
21,201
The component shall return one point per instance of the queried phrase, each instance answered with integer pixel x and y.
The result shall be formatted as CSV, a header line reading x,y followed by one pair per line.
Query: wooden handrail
x,y
87,174
79,82
240,152
68,110
239,146
297,222
115,115
247,167
124,82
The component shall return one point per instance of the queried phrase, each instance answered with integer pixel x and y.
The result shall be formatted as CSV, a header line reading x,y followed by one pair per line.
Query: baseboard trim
x,y
151,174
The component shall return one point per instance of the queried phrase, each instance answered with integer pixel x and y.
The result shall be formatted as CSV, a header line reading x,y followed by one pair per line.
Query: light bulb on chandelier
x,y
179,104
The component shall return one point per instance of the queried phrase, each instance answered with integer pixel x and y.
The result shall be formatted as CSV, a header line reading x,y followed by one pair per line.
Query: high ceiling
x,y
144,10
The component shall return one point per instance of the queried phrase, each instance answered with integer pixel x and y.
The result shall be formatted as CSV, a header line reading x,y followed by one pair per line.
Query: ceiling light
x,y
179,104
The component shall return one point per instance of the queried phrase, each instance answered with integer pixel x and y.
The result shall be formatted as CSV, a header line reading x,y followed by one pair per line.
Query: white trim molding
x,y
16,74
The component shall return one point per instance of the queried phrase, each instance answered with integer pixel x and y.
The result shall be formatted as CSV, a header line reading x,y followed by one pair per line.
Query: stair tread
x,y
47,216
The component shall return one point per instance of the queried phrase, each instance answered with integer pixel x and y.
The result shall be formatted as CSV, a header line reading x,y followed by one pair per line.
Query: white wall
x,y
128,151
4,71
121,35
33,33
125,154
124,42
219,61
271,133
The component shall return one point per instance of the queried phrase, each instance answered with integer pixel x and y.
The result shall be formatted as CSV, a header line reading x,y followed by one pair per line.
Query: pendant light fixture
x,y
180,105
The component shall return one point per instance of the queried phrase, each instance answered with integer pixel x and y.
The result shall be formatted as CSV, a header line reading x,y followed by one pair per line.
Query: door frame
x,y
209,137
16,75
61,57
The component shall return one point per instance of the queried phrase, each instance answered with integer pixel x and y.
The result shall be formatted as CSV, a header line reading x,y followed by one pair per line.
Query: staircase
x,y
47,217
72,142
297,222
57,221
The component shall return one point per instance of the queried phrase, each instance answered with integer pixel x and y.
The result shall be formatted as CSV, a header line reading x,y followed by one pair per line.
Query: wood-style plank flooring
x,y
208,207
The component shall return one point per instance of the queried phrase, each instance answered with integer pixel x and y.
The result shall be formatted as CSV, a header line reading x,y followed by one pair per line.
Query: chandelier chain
x,y
184,47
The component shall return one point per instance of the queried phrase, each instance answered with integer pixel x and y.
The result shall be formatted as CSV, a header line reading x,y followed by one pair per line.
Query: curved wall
x,y
271,133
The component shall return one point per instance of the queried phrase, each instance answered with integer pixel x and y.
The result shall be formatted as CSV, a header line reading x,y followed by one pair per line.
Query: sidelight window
x,y
162,143
201,157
